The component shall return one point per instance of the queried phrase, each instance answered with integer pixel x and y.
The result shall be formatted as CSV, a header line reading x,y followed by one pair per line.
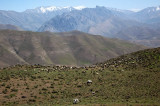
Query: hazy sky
x,y
21,5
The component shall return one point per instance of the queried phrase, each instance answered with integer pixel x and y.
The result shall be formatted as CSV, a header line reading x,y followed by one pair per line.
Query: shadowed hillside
x,y
70,48
10,27
132,79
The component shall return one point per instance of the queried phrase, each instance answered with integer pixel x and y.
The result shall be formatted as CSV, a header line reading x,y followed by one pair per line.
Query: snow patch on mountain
x,y
154,9
135,10
158,8
54,8
79,7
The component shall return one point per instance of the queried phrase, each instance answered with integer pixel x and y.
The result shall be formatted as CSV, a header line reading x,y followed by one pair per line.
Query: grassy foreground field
x,y
130,79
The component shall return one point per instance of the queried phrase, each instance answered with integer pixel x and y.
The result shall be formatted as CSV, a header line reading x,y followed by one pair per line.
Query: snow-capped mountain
x,y
149,15
151,10
88,20
54,9
32,19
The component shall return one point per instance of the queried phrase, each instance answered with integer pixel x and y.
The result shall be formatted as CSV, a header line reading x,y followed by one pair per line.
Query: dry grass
x,y
132,79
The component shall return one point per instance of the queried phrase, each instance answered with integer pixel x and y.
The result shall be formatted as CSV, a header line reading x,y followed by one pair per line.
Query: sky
x,y
22,5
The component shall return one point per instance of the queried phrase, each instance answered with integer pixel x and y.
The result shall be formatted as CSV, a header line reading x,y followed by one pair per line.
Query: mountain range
x,y
68,48
132,26
140,27
32,19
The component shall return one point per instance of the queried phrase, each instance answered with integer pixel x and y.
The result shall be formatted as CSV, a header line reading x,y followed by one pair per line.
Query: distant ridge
x,y
10,27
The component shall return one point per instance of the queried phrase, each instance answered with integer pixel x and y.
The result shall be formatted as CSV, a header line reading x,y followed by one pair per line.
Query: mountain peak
x,y
153,9
158,8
